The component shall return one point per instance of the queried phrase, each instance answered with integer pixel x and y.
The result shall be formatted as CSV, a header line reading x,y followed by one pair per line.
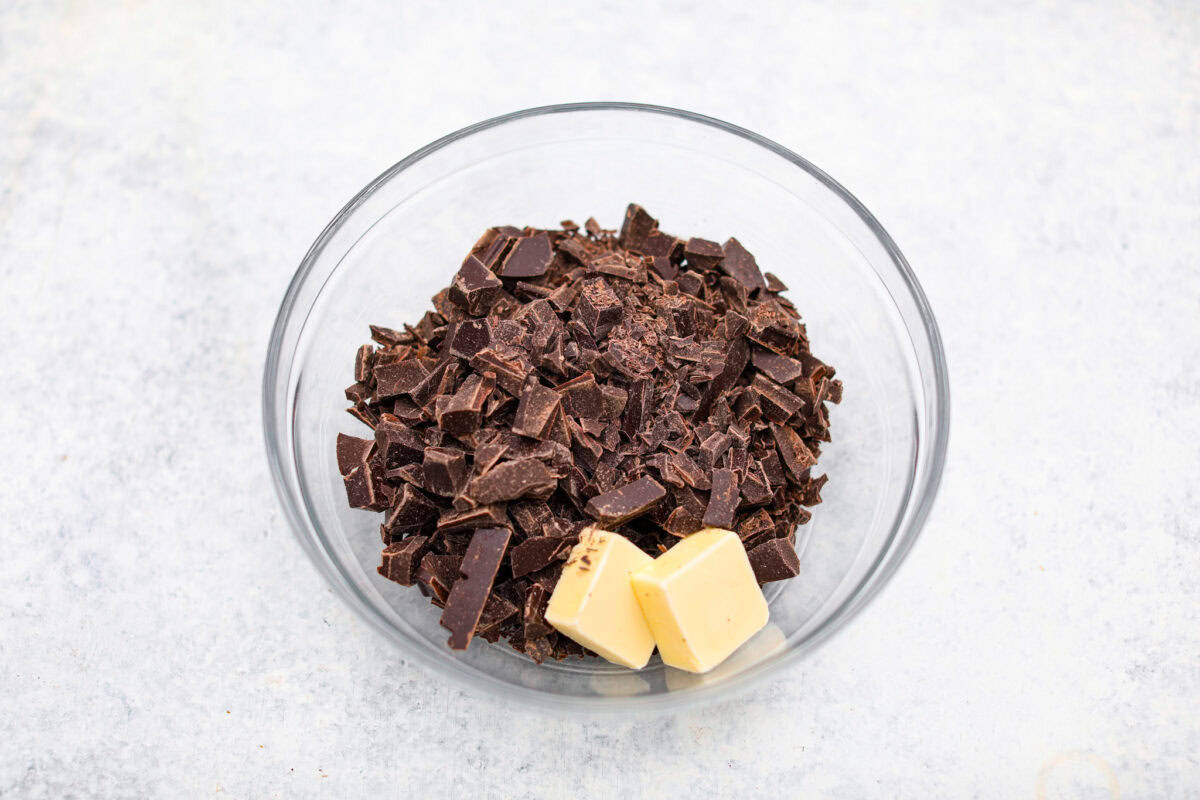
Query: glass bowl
x,y
402,238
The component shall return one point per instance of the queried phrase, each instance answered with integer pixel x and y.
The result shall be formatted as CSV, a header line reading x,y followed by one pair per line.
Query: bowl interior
x,y
383,259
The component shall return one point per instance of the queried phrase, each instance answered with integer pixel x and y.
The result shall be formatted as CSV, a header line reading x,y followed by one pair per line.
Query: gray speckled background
x,y
164,167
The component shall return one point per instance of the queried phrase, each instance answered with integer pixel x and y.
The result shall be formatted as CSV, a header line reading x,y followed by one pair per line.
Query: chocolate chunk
x,y
741,266
468,595
778,404
835,391
581,397
401,377
360,489
598,307
733,362
475,288
401,560
616,266
636,228
529,258
689,471
796,457
461,414
638,406
713,448
496,611
352,452
439,573
774,560
509,368
623,504
812,491
773,283
723,500
689,282
511,480
755,488
756,525
469,337
529,517
780,369
445,470
534,612
362,362
537,552
701,254
774,328
410,509
682,523
536,411
397,444
388,337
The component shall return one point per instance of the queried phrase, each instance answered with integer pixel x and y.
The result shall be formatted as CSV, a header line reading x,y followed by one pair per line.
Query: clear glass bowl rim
x,y
924,489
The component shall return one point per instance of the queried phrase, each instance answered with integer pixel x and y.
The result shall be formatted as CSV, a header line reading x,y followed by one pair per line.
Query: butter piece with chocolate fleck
x,y
593,602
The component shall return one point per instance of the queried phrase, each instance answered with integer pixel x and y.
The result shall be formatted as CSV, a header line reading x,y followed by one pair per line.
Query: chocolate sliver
x,y
626,502
533,615
481,517
469,594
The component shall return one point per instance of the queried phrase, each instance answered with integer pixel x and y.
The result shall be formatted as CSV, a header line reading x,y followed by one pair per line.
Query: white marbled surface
x,y
164,167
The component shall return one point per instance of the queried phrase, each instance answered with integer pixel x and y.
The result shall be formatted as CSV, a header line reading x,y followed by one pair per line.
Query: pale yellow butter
x,y
701,600
593,602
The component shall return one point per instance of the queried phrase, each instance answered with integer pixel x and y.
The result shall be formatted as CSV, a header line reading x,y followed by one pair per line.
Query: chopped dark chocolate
x,y
651,384
470,593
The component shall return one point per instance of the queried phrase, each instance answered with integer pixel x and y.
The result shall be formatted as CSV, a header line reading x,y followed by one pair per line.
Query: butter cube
x,y
701,600
593,602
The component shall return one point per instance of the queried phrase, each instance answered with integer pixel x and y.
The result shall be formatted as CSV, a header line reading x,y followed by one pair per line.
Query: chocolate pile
x,y
649,384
